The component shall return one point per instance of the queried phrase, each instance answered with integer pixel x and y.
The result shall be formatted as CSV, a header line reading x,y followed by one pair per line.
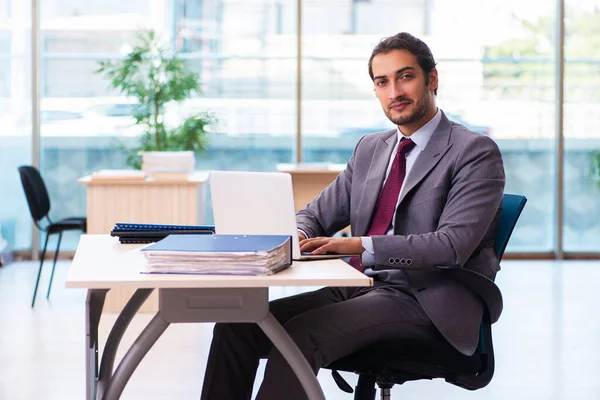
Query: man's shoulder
x,y
468,146
465,137
373,138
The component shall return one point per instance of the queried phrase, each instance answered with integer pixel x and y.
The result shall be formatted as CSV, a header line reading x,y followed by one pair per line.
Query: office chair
x,y
398,361
39,207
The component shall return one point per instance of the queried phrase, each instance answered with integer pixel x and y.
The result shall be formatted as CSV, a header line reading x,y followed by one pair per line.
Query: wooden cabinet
x,y
169,201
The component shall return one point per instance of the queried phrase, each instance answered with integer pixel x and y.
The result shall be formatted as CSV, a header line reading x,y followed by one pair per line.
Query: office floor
x,y
547,341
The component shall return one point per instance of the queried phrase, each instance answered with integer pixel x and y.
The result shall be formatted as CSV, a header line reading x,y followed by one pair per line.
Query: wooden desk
x,y
148,201
145,201
308,181
102,264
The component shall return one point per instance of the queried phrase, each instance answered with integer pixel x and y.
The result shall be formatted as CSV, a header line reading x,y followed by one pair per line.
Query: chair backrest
x,y
512,205
35,192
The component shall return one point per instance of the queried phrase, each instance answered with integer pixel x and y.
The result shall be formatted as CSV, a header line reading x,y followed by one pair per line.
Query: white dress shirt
x,y
420,138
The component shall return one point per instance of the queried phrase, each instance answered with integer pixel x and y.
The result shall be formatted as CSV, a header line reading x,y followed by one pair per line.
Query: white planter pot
x,y
168,161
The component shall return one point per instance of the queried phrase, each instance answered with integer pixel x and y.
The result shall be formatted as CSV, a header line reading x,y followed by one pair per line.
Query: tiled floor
x,y
547,341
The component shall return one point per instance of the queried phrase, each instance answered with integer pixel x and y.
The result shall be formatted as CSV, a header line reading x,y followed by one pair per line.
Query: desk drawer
x,y
214,305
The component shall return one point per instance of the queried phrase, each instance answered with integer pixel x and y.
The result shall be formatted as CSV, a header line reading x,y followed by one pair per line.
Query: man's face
x,y
401,87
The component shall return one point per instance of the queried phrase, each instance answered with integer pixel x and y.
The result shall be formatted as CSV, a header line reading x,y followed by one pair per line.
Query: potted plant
x,y
156,77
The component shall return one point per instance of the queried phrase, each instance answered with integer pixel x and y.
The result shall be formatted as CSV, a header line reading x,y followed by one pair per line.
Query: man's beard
x,y
418,113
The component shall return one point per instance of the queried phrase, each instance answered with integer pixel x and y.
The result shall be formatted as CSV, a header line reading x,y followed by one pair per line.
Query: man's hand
x,y
301,236
322,245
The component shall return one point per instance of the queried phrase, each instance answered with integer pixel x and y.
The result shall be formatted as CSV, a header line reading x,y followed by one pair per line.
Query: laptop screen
x,y
256,203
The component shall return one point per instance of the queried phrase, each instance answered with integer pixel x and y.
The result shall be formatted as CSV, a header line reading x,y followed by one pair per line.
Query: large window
x,y
582,126
497,76
80,127
243,50
15,119
246,52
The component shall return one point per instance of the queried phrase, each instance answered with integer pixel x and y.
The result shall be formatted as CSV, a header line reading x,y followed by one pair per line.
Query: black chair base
x,y
400,361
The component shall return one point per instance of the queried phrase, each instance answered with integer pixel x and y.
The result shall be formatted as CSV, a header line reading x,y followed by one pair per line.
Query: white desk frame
x,y
102,264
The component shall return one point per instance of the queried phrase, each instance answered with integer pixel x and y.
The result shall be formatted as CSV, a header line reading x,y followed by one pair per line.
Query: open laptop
x,y
257,203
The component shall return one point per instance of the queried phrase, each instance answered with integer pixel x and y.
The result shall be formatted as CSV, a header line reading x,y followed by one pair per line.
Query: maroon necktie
x,y
386,206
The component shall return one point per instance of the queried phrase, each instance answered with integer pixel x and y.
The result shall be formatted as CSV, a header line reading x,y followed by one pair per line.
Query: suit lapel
x,y
437,146
374,182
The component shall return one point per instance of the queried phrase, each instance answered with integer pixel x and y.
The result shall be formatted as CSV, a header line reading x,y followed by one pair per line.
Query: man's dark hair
x,y
406,41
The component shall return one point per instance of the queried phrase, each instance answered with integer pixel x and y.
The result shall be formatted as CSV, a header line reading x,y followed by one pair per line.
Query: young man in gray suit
x,y
425,194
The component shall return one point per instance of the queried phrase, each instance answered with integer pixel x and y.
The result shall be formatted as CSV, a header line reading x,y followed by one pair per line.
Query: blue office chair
x,y
398,361
39,207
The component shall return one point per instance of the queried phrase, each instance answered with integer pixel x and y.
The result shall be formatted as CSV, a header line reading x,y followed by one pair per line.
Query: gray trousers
x,y
326,324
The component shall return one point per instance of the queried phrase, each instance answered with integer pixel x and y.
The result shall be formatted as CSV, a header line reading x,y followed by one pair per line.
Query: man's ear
x,y
433,79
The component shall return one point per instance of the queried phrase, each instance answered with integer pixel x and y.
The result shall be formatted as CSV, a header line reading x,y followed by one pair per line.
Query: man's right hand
x,y
323,245
301,236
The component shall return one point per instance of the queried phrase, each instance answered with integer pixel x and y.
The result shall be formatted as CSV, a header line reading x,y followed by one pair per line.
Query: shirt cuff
x,y
304,233
367,258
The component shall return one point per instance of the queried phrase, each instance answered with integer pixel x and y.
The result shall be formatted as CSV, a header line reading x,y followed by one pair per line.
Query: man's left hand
x,y
322,245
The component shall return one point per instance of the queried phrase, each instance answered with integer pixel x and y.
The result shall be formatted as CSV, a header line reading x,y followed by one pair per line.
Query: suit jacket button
x,y
391,260
396,261
408,261
403,261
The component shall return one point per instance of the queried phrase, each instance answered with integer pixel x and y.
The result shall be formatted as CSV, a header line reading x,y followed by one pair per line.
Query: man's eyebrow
x,y
401,70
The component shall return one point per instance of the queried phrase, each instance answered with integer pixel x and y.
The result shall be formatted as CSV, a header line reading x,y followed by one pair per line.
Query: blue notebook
x,y
219,254
218,243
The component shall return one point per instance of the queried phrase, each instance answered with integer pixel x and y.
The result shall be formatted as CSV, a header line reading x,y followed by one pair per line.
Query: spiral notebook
x,y
148,233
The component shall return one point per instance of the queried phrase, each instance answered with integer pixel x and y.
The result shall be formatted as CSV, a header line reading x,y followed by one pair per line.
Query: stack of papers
x,y
219,254
168,161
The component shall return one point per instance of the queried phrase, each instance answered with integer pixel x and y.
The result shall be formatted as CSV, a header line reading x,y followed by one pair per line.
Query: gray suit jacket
x,y
447,215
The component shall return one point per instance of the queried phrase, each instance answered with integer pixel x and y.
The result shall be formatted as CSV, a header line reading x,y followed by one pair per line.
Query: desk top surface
x,y
101,262
311,168
193,178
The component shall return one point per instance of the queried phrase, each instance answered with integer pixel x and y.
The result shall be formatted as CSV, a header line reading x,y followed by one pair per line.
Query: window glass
x,y
496,75
15,120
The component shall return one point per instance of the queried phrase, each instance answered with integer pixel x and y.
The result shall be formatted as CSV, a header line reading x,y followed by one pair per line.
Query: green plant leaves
x,y
156,77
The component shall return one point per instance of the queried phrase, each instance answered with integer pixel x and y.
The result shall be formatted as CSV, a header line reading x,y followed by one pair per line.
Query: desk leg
x,y
135,354
193,305
116,334
93,310
273,329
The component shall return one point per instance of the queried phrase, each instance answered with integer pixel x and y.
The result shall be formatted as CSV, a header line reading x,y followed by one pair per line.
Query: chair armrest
x,y
482,285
